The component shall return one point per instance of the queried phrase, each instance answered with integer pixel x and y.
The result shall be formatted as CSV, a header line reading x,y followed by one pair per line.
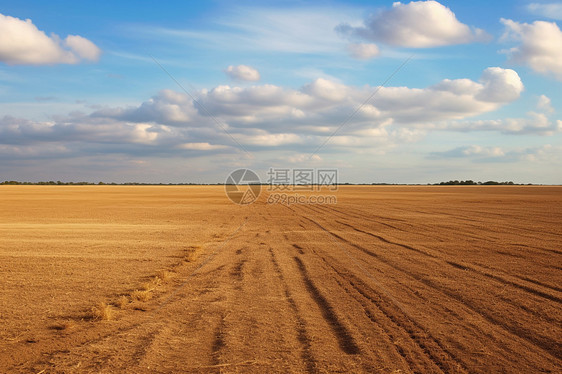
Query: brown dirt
x,y
389,280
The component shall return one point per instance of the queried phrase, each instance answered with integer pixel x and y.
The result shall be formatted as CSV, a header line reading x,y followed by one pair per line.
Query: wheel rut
x,y
302,334
343,335
548,345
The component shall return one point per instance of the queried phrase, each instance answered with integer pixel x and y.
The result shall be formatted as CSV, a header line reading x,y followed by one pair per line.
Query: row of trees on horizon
x,y
59,183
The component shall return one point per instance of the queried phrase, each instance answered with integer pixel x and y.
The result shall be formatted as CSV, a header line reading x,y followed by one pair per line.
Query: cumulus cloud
x,y
500,85
552,10
325,89
269,116
449,99
167,107
544,104
78,128
243,73
319,105
21,42
418,24
82,47
363,51
536,122
539,48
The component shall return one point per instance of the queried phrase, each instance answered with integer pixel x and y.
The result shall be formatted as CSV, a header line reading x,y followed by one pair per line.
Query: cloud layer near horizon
x,y
268,116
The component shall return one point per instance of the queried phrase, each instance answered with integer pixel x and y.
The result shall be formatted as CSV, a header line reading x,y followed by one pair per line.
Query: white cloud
x,y
83,47
324,103
143,133
82,128
363,51
544,104
536,122
449,99
500,85
201,146
552,10
418,24
167,107
327,90
21,42
483,151
540,48
269,116
243,73
264,139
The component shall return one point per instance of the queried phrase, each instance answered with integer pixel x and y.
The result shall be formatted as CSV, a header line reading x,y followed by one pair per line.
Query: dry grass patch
x,y
102,312
141,295
165,275
151,284
192,253
122,301
146,289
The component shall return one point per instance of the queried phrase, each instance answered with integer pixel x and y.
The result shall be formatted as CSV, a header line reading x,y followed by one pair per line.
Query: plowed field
x,y
389,279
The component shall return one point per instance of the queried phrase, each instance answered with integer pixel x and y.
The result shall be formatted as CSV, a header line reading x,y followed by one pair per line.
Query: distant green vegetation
x,y
59,183
50,183
473,183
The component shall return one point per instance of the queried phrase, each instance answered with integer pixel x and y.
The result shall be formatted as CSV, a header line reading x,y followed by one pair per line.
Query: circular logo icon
x,y
243,186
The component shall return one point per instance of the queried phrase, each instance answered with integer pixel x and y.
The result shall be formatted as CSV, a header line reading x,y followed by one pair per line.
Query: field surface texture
x,y
105,279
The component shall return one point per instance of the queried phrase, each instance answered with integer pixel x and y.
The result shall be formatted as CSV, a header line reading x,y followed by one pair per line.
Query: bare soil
x,y
388,280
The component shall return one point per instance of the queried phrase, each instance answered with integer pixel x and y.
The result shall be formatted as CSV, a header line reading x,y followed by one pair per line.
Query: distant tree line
x,y
49,183
473,183
59,183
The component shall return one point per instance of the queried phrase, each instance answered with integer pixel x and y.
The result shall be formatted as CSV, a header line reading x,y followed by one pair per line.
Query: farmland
x,y
391,279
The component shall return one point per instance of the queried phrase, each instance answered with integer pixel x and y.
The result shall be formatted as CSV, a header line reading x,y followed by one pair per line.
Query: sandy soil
x,y
389,280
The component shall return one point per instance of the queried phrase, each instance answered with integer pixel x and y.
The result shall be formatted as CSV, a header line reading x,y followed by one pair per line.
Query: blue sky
x,y
82,97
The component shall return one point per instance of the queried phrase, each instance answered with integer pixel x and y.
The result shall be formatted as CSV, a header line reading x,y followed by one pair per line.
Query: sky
x,y
186,92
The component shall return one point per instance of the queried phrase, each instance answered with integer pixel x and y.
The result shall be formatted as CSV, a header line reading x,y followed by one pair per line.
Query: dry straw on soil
x,y
192,253
141,295
102,312
122,301
165,275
